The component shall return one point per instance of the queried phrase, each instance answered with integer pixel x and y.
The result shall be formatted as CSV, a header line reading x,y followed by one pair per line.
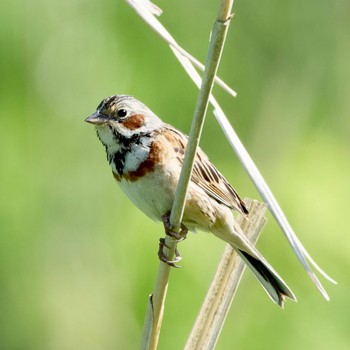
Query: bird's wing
x,y
205,175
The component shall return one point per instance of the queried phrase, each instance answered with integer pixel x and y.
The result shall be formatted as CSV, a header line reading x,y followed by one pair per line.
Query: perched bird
x,y
146,156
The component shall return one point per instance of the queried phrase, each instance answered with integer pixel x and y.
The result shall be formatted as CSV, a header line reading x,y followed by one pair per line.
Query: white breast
x,y
150,194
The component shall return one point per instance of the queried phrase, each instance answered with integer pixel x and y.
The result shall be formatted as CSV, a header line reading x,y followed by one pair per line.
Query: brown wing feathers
x,y
206,176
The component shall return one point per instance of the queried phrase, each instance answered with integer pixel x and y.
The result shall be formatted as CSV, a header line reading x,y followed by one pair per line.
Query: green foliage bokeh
x,y
77,260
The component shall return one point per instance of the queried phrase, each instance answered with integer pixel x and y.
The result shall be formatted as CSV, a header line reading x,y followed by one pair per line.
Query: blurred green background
x,y
77,260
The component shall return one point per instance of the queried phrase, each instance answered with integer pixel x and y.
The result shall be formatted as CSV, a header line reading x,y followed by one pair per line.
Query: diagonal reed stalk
x,y
155,308
211,318
147,10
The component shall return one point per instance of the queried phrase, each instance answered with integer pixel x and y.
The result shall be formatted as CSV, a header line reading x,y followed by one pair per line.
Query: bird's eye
x,y
122,113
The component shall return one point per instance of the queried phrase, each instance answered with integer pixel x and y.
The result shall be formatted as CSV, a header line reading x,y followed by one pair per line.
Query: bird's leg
x,y
178,236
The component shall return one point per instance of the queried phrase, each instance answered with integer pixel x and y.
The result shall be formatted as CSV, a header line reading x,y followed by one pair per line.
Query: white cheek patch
x,y
122,130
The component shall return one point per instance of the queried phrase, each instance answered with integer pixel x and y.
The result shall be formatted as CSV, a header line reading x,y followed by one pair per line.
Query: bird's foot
x,y
177,236
169,229
164,258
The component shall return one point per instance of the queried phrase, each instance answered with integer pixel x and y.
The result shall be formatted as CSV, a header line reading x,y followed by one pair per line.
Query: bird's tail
x,y
273,284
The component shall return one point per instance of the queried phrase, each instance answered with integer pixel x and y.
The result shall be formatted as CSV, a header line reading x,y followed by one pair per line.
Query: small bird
x,y
146,157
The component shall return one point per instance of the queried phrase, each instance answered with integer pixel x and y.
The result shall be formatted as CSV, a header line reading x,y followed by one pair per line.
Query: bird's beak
x,y
97,119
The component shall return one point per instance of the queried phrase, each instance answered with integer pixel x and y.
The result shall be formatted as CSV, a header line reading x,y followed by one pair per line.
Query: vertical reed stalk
x,y
155,308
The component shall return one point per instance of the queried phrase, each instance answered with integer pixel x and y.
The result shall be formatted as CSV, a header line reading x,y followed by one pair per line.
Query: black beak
x,y
97,119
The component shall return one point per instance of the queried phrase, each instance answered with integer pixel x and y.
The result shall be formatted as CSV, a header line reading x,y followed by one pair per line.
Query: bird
x,y
146,156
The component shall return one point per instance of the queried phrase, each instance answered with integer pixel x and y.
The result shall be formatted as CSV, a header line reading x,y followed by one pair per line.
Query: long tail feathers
x,y
273,284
